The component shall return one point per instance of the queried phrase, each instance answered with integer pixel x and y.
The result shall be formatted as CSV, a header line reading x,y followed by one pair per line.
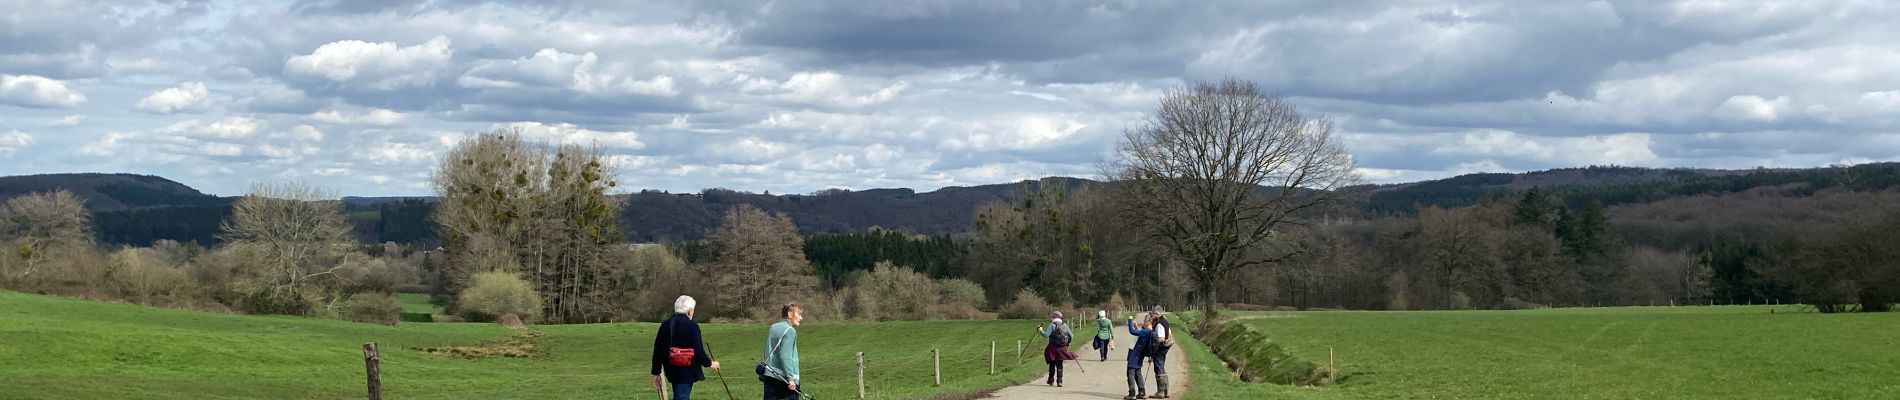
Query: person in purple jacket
x,y
680,332
1144,339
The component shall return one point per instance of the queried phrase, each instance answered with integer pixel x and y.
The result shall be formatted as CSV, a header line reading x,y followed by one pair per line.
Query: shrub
x,y
897,293
961,292
1027,305
664,278
493,294
375,308
142,273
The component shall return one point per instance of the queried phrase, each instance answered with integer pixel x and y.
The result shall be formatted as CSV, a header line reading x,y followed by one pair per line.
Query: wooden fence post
x,y
936,366
371,362
992,357
860,374
1019,351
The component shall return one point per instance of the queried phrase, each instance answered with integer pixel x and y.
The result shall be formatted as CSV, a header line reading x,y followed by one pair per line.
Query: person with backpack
x,y
1158,353
778,369
1104,333
679,352
1144,342
1060,335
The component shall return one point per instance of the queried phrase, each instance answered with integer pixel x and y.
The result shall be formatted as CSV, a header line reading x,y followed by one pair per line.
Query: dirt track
x,y
1104,380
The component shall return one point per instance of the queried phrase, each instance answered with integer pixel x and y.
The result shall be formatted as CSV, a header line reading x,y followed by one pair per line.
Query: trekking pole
x,y
721,374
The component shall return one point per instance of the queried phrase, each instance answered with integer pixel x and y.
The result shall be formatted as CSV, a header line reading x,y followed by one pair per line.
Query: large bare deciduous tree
x,y
42,221
291,235
1219,169
760,262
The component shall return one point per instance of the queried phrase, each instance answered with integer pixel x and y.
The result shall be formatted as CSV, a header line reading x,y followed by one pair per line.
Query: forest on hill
x,y
1581,236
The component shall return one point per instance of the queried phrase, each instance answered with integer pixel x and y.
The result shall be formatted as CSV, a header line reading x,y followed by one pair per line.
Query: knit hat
x,y
1101,313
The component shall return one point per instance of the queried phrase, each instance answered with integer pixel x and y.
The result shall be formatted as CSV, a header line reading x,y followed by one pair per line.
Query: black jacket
x,y
679,331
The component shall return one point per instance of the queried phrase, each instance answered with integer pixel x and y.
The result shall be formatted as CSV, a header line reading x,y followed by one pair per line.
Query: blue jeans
x,y
682,391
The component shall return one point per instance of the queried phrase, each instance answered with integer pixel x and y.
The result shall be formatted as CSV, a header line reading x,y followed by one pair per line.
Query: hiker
x,y
1158,352
1104,333
679,352
1057,352
1144,338
778,370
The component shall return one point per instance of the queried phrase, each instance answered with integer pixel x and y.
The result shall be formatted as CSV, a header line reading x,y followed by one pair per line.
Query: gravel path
x,y
1104,380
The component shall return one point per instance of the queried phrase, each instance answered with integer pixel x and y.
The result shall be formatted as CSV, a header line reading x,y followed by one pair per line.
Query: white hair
x,y
684,304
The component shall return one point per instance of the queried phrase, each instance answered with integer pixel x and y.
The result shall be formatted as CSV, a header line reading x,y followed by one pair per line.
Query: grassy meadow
x,y
57,348
1720,352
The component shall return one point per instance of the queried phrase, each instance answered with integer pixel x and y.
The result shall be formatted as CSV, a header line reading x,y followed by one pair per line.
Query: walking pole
x,y
721,374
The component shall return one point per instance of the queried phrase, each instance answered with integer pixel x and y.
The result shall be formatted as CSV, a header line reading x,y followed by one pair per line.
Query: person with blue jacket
x,y
1144,339
779,370
681,333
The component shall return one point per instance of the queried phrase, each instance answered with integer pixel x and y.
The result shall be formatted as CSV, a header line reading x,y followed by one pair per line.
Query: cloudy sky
x,y
796,96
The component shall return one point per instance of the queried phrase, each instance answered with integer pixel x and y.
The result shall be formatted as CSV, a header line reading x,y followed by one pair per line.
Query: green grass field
x,y
56,348
1722,352
417,303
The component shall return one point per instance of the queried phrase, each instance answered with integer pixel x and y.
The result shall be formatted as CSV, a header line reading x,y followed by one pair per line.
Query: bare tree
x,y
45,220
761,262
292,234
1220,168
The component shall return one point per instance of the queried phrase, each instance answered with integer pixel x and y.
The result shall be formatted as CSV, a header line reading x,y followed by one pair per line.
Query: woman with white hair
x,y
678,352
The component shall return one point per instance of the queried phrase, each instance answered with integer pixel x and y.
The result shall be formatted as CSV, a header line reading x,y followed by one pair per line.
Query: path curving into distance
x,y
1104,380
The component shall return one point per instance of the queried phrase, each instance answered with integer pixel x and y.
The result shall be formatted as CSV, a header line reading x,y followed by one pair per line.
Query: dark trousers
x,y
1055,371
682,391
778,390
1136,382
1101,345
1160,359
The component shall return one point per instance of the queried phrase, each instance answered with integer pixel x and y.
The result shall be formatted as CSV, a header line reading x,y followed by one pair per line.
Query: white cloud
x,y
188,96
232,127
394,153
371,116
12,141
106,146
571,134
220,149
38,91
1752,107
70,120
553,68
380,66
1633,149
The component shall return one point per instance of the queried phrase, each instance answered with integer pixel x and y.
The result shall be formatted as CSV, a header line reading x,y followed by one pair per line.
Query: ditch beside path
x,y
1104,380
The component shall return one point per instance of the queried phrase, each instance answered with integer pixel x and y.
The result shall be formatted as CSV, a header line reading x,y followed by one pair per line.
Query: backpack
x,y
677,356
1060,335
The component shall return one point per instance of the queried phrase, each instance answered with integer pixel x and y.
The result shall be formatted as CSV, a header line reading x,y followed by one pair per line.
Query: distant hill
x,y
1612,185
138,209
655,216
111,192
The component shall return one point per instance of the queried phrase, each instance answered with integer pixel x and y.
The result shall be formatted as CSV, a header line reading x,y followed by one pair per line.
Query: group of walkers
x,y
679,353
1153,340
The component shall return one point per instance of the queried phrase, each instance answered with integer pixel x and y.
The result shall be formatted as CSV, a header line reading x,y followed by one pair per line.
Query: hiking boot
x,y
1161,387
1130,396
